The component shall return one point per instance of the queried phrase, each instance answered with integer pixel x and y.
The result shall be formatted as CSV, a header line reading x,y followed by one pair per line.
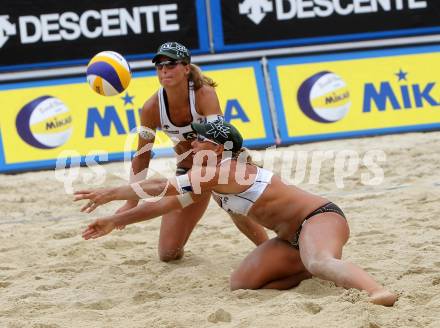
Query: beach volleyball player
x,y
311,231
186,96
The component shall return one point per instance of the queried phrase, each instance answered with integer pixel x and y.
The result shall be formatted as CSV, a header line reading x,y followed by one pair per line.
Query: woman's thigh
x,y
177,225
274,259
323,236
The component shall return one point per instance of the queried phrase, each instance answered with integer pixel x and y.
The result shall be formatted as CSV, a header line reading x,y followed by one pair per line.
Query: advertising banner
x,y
52,33
41,122
357,94
251,24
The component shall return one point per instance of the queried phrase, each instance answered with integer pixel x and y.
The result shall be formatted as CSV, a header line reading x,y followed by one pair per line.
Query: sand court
x,y
50,277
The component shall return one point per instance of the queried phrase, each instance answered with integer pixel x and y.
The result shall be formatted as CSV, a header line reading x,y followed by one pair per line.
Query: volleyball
x,y
44,123
324,97
108,73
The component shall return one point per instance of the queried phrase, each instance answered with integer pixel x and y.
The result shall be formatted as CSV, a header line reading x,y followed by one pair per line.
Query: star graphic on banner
x,y
127,99
401,75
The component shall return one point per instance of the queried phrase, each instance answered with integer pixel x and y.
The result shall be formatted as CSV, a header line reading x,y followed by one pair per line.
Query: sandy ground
x,y
50,277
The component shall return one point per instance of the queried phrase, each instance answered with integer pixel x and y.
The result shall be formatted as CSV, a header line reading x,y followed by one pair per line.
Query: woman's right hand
x,y
127,206
96,197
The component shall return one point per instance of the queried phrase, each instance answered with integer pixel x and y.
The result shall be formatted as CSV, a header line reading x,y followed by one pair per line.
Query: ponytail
x,y
199,80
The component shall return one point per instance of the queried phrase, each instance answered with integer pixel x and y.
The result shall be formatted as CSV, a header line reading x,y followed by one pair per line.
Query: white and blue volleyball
x,y
324,97
108,73
44,123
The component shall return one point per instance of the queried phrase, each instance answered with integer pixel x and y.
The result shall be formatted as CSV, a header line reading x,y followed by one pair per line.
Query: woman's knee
x,y
171,253
319,266
314,266
235,282
171,244
238,280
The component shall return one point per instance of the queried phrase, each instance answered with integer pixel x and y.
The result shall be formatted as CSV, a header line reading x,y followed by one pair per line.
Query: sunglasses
x,y
169,64
201,138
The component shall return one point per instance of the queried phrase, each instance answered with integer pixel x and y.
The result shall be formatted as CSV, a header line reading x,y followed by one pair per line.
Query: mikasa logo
x,y
256,10
324,97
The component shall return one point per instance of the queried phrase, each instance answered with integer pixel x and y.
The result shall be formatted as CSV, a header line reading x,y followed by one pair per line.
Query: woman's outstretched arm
x,y
196,182
146,211
149,188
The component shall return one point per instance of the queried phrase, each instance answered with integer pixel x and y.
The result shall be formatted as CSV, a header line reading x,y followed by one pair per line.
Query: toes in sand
x,y
383,297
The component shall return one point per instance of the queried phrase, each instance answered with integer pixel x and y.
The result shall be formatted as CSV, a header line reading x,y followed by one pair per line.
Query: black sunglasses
x,y
169,64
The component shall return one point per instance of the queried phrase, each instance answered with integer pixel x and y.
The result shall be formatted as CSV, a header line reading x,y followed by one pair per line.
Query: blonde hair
x,y
199,80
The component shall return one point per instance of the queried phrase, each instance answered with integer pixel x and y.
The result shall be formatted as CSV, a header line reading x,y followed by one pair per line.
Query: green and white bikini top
x,y
174,132
242,202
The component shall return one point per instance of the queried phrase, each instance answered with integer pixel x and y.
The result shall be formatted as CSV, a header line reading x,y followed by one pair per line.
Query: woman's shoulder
x,y
207,102
205,91
151,103
150,109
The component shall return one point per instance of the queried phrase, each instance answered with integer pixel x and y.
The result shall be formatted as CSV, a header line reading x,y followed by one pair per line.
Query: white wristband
x,y
214,117
183,184
185,200
146,133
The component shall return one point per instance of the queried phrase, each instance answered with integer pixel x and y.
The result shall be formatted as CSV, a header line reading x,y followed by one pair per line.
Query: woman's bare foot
x,y
383,297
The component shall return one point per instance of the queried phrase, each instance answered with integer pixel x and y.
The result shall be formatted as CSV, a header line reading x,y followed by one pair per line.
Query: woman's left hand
x,y
98,228
96,198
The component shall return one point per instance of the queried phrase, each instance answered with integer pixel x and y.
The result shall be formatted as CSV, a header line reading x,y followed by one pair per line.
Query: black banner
x,y
43,31
261,23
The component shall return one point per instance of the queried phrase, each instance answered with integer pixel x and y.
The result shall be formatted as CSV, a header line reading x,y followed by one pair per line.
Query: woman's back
x,y
263,196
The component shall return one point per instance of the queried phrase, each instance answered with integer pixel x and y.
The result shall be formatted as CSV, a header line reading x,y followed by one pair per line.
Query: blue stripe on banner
x,y
363,133
264,101
2,154
202,26
279,108
107,72
63,63
63,81
353,55
217,25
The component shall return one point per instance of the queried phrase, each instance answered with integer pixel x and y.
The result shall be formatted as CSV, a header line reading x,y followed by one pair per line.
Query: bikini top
x,y
178,133
242,202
